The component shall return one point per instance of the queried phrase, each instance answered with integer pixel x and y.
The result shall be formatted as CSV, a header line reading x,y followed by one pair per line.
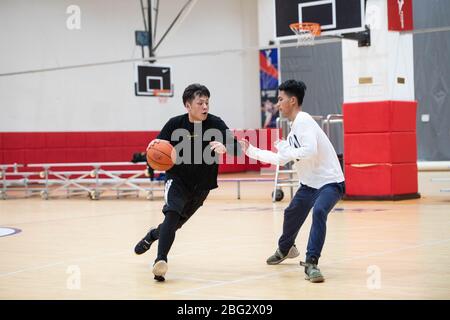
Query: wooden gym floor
x,y
82,249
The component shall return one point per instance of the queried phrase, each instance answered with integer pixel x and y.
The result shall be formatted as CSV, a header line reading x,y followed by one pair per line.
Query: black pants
x,y
180,204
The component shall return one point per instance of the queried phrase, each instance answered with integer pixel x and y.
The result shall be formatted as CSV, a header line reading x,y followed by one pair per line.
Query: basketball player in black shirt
x,y
198,138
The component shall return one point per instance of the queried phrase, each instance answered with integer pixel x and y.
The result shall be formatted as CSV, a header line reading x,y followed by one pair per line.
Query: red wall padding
x,y
379,116
380,148
381,179
395,147
73,147
55,147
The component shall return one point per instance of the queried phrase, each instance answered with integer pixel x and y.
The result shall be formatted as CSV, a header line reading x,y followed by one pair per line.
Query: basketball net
x,y
163,95
306,32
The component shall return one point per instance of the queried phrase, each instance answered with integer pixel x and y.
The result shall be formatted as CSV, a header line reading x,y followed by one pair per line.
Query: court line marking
x,y
197,279
216,283
69,262
291,269
394,287
177,255
224,297
121,213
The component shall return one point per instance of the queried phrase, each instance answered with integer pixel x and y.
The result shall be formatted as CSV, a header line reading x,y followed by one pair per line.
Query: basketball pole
x,y
145,26
150,36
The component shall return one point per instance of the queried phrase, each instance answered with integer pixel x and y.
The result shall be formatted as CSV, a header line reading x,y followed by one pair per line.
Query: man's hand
x,y
244,144
217,147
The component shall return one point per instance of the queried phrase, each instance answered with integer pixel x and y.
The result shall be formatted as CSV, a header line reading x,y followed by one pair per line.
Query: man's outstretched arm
x,y
263,155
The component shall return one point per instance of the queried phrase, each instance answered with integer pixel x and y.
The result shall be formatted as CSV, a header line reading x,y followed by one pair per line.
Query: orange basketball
x,y
161,156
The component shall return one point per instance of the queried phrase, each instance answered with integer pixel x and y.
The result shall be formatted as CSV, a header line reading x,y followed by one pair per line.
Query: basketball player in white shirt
x,y
320,175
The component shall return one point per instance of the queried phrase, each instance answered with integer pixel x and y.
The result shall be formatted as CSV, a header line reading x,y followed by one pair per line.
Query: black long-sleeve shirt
x,y
196,165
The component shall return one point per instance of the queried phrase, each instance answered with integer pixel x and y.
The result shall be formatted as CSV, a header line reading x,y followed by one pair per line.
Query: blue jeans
x,y
323,200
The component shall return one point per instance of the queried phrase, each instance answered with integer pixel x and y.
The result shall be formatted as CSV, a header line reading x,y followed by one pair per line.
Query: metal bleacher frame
x,y
21,183
92,181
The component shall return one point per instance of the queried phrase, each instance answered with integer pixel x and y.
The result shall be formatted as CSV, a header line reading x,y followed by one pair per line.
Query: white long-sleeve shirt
x,y
308,146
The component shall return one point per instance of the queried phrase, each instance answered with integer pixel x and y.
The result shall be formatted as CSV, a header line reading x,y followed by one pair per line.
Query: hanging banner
x,y
400,15
268,79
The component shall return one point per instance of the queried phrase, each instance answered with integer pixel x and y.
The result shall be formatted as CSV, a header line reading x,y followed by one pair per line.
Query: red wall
x,y
73,147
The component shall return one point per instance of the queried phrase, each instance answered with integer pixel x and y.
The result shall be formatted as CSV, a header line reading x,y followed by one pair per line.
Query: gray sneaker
x,y
278,257
312,272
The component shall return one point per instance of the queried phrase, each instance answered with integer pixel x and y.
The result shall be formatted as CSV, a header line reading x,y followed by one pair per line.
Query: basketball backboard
x,y
151,79
336,17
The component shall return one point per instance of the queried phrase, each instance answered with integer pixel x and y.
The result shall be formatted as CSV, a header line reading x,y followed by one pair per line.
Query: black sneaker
x,y
144,244
312,272
278,256
159,270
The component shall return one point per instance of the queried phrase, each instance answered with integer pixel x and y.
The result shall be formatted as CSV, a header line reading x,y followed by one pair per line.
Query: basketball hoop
x,y
162,94
306,32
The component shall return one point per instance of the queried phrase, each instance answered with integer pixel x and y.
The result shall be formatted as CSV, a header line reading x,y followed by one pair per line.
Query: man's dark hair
x,y
194,90
294,88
